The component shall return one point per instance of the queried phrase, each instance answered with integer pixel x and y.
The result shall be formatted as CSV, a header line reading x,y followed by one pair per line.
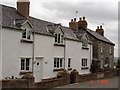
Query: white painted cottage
x,y
31,45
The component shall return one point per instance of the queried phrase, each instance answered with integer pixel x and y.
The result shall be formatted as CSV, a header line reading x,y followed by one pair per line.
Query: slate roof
x,y
10,14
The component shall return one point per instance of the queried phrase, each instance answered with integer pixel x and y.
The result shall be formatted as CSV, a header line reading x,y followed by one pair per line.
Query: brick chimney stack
x,y
23,7
73,24
100,30
82,24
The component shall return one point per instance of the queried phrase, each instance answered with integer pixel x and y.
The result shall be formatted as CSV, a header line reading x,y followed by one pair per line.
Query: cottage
x,y
42,48
103,49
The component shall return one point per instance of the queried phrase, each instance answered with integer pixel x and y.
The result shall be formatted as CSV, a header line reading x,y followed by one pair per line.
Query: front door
x,y
38,69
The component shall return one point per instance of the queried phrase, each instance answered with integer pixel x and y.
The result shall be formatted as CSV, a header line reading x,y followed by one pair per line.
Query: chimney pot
x,y
71,20
83,18
74,19
80,19
100,26
97,27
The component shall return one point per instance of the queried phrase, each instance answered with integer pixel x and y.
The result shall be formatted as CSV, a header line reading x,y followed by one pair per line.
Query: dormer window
x,y
59,38
26,34
84,43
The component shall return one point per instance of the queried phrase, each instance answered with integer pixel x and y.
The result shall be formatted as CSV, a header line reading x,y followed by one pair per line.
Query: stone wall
x,y
93,76
62,78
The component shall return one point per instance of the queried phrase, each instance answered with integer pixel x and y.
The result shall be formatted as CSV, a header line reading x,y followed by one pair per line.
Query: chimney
x,y
82,24
23,7
73,24
100,30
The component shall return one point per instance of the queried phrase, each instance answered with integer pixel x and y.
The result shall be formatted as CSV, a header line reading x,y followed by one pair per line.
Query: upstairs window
x,y
84,62
59,38
110,49
26,34
25,64
84,43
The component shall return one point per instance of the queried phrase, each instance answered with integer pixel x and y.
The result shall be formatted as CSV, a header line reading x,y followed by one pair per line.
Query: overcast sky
x,y
62,11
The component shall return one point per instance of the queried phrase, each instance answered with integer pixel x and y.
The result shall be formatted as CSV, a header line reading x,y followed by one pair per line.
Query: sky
x,y
97,12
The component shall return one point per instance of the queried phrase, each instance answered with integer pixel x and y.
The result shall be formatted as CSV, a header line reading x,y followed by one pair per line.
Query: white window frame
x,y
24,68
58,63
84,62
59,38
27,34
85,43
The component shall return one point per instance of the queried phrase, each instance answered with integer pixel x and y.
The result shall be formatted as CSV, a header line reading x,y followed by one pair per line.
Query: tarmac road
x,y
103,83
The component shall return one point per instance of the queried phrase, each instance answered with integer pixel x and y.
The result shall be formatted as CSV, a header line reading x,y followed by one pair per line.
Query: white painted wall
x,y
14,49
76,53
10,52
44,48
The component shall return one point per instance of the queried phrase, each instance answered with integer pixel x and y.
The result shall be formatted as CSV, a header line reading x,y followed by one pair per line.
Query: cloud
x,y
95,11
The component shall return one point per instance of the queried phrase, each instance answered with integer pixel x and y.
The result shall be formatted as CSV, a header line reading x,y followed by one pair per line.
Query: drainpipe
x,y
64,51
0,44
33,56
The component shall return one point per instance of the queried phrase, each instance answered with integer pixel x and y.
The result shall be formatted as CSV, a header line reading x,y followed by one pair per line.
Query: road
x,y
103,83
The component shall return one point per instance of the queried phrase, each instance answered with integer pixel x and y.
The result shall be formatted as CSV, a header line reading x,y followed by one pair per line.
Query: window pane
x,y
61,62
62,38
24,34
82,62
55,37
58,38
28,34
22,64
86,62
55,62
27,63
69,61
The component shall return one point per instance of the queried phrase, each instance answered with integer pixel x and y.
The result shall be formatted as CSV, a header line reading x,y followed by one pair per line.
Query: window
x,y
25,64
84,43
101,49
84,62
55,38
69,62
59,38
26,34
58,62
110,49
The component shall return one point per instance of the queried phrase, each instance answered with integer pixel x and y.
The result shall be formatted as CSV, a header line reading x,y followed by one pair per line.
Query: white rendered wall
x,y
76,53
10,52
44,49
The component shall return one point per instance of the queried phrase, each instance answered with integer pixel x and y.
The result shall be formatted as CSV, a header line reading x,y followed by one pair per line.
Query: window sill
x,y
84,67
26,40
58,69
25,72
62,45
69,69
86,48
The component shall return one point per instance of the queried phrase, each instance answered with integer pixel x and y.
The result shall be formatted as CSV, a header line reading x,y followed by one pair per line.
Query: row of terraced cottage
x,y
42,48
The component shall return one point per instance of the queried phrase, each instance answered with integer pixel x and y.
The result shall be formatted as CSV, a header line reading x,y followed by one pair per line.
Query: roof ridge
x,y
7,6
